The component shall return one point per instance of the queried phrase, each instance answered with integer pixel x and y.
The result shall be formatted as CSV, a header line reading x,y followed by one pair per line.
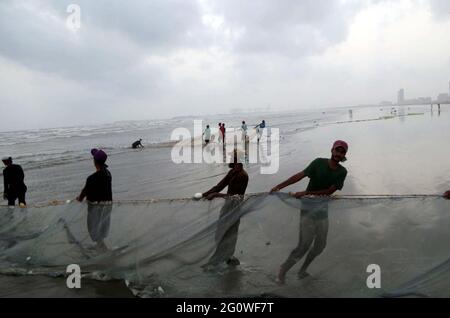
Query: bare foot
x,y
101,247
281,279
233,261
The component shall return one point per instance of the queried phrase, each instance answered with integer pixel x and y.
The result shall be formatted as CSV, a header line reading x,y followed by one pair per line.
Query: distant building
x,y
424,100
401,96
444,97
386,103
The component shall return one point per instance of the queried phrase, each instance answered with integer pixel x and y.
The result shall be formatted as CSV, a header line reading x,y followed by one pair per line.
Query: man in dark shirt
x,y
98,193
326,177
228,224
14,186
137,144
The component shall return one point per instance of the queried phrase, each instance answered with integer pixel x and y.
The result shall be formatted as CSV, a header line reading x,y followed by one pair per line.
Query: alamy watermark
x,y
74,278
374,279
261,148
73,21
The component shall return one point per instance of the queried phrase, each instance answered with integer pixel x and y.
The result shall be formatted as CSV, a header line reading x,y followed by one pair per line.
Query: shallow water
x,y
159,249
403,153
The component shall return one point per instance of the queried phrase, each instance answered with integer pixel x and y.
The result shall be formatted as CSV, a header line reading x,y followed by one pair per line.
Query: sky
x,y
150,59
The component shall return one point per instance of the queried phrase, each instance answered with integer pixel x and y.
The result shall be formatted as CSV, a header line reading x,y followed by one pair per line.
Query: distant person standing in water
x,y
220,133
260,129
222,130
98,193
207,134
326,176
137,144
244,131
13,181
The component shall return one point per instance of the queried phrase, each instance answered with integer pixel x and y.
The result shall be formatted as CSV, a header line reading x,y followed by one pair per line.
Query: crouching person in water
x,y
229,220
98,194
325,177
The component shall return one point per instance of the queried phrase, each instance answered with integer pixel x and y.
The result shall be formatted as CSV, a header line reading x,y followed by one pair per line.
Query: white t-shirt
x,y
207,134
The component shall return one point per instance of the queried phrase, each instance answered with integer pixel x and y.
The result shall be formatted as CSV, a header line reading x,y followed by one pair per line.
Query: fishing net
x,y
234,247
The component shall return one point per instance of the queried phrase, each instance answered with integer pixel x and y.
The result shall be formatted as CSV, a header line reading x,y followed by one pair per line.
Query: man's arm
x,y
83,193
294,179
326,192
5,185
219,187
21,174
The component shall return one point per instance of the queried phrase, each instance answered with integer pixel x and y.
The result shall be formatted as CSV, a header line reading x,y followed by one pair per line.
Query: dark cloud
x,y
157,24
154,57
289,27
440,8
36,36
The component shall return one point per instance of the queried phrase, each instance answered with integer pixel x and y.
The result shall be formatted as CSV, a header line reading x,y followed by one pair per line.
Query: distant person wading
x,y
137,144
207,134
13,181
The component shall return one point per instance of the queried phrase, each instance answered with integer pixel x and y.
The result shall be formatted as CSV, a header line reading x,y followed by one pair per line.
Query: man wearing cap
x,y
228,223
14,186
98,193
326,176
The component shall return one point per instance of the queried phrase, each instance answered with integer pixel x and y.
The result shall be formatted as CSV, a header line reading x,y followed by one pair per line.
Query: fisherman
x,y
228,225
260,129
207,134
222,130
137,144
220,133
244,131
326,176
13,180
98,193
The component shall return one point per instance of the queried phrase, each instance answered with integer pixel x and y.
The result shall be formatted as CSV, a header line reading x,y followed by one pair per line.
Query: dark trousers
x,y
227,232
98,221
12,197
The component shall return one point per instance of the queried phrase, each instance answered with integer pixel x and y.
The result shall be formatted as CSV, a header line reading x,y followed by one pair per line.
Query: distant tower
x,y
401,96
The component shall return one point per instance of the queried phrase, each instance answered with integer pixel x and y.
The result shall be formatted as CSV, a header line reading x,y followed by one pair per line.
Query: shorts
x,y
12,196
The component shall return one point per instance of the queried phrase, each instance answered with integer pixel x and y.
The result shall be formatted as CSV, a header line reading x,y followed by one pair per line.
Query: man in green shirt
x,y
325,177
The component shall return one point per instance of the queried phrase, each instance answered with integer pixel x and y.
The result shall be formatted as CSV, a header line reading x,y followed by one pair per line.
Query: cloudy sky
x,y
144,59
